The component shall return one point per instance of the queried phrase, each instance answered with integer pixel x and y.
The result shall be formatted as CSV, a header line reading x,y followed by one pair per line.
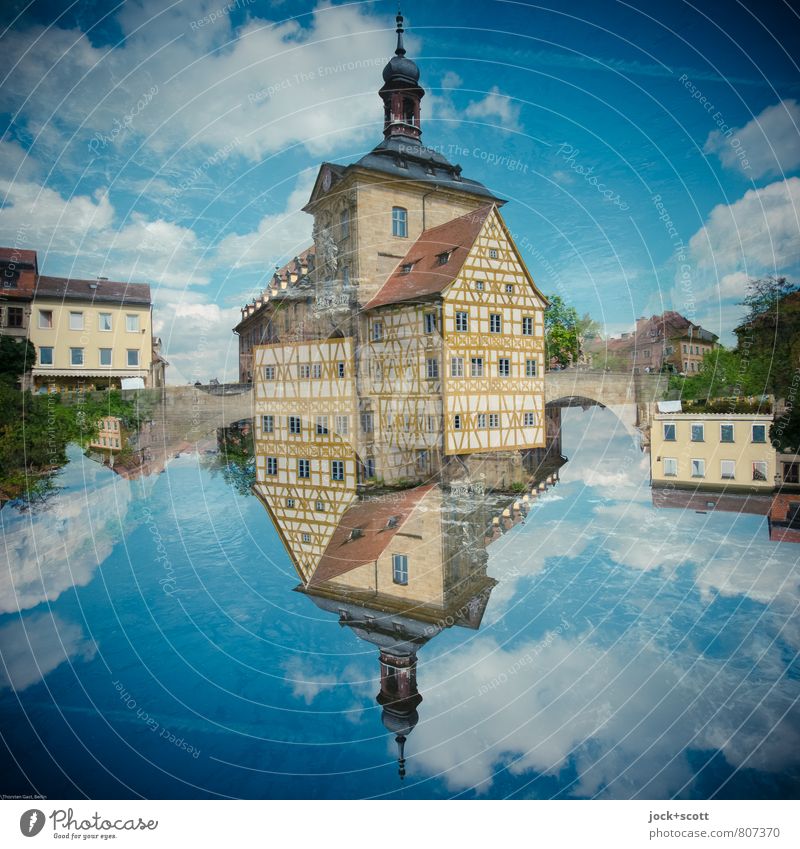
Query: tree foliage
x,y
561,323
16,358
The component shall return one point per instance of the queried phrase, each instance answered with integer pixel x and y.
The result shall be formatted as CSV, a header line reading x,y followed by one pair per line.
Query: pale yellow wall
x,y
61,338
508,397
307,525
420,539
742,451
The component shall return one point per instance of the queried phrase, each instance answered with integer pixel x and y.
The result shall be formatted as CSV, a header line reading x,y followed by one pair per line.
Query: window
x,y
759,433
342,425
104,321
479,285
399,221
105,356
443,258
344,223
462,322
45,356
726,433
760,470
492,253
495,323
377,331
340,369
457,421
295,425
76,321
290,502
132,323
481,420
430,322
367,422
133,357
406,267
45,319
76,356
727,470
304,371
322,425
319,506
476,367
698,468
456,367
503,367
432,368
400,568
528,419
530,368
303,469
15,317
268,424
369,467
316,371
669,431
527,325
269,372
494,419
685,351
306,537
509,288
272,465
337,470
698,432
670,467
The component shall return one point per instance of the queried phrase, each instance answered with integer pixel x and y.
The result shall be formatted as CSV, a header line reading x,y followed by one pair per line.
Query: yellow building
x,y
414,272
90,334
711,450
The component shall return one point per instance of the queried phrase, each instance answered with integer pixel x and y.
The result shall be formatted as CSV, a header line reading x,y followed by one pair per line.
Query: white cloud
x,y
769,144
495,108
277,238
451,80
760,230
271,84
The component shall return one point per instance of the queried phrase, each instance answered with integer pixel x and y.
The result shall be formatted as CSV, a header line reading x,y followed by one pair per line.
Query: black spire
x,y
401,760
400,51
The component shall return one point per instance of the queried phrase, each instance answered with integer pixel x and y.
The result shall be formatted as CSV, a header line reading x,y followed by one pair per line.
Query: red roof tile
x,y
427,276
18,256
371,518
103,291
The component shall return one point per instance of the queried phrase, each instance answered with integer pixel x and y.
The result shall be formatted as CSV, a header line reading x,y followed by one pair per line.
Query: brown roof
x,y
427,276
371,518
104,291
18,256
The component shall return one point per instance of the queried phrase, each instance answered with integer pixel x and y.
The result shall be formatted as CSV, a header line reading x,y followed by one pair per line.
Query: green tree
x,y
16,358
561,331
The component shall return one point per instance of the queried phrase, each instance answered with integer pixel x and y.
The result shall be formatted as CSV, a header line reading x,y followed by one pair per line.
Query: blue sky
x,y
649,151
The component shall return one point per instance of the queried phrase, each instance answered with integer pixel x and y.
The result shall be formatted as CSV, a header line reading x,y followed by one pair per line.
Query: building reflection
x,y
397,566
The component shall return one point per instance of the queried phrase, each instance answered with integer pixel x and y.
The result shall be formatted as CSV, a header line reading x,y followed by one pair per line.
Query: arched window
x,y
408,110
399,221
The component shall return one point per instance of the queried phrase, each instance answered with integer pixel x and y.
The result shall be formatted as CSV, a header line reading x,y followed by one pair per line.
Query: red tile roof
x,y
427,276
371,518
18,256
103,291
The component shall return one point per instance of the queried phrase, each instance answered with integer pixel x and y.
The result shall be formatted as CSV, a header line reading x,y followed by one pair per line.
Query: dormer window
x,y
479,285
406,267
443,258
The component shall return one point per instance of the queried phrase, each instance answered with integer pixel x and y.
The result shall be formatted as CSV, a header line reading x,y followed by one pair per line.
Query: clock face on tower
x,y
326,180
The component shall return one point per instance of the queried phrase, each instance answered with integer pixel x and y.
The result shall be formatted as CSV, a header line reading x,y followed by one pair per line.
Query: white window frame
x,y
110,357
702,466
527,325
702,427
294,425
432,368
271,466
128,362
45,320
337,470
400,569
456,367
504,366
764,465
72,352
132,319
495,322
462,321
400,222
753,433
303,464
45,348
476,367
674,426
531,368
268,424
733,433
76,321
665,466
731,465
110,317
